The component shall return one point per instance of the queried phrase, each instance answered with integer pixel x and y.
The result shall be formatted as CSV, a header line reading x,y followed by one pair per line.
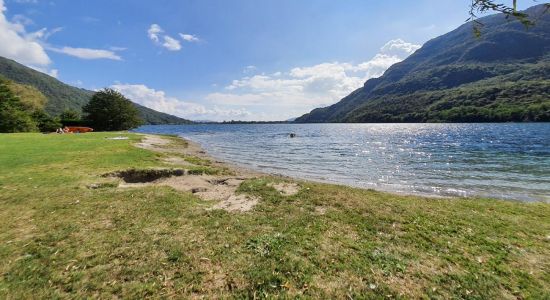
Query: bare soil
x,y
221,188
286,189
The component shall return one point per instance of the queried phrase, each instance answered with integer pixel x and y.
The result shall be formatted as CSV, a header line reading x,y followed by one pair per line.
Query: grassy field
x,y
61,239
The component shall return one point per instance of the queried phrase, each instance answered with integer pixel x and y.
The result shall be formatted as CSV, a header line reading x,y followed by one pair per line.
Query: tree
x,y
22,109
13,116
482,6
31,98
69,114
109,110
46,123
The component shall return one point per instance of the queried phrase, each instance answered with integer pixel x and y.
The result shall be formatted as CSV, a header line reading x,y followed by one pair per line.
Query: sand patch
x,y
240,203
206,187
152,142
178,161
286,189
214,188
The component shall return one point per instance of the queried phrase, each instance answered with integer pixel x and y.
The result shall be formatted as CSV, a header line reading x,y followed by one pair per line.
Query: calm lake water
x,y
508,161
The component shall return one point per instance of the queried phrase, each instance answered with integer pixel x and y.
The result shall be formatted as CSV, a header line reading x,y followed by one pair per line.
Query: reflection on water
x,y
509,161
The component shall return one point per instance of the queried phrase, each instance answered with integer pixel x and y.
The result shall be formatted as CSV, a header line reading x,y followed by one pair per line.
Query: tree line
x,y
22,110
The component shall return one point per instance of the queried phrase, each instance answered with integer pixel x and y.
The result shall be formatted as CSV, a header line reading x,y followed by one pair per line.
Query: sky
x,y
223,59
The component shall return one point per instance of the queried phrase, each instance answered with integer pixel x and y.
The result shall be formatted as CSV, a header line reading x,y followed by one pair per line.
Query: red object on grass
x,y
80,129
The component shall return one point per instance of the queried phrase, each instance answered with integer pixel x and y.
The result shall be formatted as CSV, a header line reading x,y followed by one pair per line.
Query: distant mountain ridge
x,y
502,76
62,96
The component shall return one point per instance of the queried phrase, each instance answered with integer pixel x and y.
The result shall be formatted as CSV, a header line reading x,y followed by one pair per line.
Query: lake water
x,y
507,161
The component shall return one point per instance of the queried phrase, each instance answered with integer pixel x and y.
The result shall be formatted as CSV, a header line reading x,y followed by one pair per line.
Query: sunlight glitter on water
x,y
508,161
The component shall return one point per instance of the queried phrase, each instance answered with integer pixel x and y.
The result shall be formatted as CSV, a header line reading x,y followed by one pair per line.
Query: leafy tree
x,y
22,109
69,114
109,110
13,116
483,6
31,98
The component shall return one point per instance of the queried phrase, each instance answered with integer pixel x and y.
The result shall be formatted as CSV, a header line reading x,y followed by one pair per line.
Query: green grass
x,y
61,239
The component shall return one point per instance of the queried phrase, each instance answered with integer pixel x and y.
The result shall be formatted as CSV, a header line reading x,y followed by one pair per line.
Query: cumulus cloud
x,y
399,47
171,44
158,100
29,48
189,38
303,88
18,45
153,32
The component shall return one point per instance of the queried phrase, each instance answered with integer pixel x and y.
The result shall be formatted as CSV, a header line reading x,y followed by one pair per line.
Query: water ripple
x,y
509,161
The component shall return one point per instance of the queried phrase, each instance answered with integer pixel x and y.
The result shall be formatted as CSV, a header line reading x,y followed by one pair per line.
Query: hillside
x,y
502,76
62,96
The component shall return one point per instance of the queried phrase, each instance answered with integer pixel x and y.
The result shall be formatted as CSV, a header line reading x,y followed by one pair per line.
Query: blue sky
x,y
222,59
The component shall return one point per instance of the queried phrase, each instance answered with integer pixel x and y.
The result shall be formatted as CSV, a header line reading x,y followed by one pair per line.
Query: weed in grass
x,y
265,245
197,160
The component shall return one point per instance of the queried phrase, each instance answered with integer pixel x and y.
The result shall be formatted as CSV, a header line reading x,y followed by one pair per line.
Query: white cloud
x,y
44,34
18,45
158,100
51,72
301,89
171,44
30,48
189,37
399,47
154,32
85,53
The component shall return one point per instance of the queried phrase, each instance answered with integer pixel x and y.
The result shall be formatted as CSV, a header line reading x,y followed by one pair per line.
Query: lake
x,y
506,161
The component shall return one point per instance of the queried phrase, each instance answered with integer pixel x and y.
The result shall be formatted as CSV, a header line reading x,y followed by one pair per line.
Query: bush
x,y
46,123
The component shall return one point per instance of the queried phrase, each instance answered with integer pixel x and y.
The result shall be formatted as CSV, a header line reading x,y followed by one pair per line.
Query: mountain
x,y
62,96
503,75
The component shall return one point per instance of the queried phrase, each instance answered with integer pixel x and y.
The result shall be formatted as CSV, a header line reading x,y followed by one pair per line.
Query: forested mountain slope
x,y
62,96
504,75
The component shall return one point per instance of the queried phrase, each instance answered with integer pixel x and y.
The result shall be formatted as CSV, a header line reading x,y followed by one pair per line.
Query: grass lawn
x,y
61,239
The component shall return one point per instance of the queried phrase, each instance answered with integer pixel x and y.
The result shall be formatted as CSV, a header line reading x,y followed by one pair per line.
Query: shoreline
x,y
201,151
